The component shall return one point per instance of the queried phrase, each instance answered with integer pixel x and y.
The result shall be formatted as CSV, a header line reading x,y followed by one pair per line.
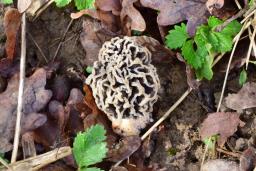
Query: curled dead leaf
x,y
211,4
131,17
248,159
35,99
109,5
12,21
222,124
124,149
244,99
173,12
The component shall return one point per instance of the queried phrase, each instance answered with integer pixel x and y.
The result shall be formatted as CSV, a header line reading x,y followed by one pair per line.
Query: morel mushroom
x,y
125,85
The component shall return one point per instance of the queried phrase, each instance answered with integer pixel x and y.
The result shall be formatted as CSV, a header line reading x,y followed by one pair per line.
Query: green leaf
x,y
213,22
206,70
224,42
89,69
232,28
242,77
177,37
6,1
89,147
190,55
90,169
211,141
62,3
84,4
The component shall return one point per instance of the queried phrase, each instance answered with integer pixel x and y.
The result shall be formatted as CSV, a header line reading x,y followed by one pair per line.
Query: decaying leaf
x,y
35,98
173,12
248,159
131,17
244,99
124,149
12,21
222,124
109,5
92,38
211,4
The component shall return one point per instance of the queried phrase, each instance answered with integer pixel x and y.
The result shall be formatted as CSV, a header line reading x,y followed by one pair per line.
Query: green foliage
x,y
80,4
84,4
199,50
6,1
242,77
90,147
88,69
251,3
62,3
211,141
177,37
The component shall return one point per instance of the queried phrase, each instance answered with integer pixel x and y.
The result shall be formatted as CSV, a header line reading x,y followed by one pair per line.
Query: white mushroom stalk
x,y
125,85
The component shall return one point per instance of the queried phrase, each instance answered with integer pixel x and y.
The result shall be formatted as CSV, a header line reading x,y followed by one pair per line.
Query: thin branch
x,y
172,108
166,115
38,47
62,39
42,9
228,67
234,17
250,47
21,88
3,162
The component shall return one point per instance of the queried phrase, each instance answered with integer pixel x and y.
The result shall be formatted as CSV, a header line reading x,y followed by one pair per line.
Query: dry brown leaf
x,y
244,99
176,11
109,5
222,124
131,17
159,52
214,4
124,149
35,98
12,21
248,159
92,38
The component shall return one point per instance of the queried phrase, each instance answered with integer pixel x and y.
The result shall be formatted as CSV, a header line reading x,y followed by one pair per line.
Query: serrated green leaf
x,y
225,42
242,77
206,70
89,147
177,37
84,4
232,28
62,3
90,169
190,55
6,1
213,22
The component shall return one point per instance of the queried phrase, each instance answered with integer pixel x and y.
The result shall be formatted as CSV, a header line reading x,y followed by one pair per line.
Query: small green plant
x,y
89,69
80,4
90,148
242,77
199,51
6,1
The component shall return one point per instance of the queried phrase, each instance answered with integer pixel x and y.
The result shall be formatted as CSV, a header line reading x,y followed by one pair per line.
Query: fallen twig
x,y
228,67
21,88
37,162
62,39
